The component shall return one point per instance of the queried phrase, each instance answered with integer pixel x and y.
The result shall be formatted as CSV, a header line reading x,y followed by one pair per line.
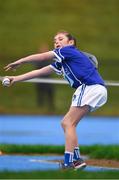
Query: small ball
x,y
6,82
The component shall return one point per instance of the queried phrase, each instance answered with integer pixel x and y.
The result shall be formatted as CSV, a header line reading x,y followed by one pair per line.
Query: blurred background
x,y
28,27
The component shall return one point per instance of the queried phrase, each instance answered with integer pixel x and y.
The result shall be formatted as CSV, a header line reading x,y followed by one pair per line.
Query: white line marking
x,y
43,161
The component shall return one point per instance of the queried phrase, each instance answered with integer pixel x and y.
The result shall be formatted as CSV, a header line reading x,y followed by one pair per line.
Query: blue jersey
x,y
75,66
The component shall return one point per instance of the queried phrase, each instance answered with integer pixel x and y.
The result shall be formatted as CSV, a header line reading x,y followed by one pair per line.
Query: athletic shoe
x,y
69,167
79,164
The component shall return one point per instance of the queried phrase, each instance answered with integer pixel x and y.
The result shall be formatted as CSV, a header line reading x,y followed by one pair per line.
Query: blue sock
x,y
68,158
76,153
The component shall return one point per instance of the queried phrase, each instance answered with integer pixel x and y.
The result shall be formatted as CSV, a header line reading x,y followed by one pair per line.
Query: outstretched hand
x,y
12,66
12,79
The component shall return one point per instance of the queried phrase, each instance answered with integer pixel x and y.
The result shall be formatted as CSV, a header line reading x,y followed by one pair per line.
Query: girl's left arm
x,y
30,59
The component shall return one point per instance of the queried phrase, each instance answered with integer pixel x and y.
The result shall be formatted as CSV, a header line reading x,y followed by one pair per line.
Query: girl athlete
x,y
82,75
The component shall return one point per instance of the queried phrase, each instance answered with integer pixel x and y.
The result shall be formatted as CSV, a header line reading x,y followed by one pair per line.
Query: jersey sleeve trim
x,y
57,58
59,72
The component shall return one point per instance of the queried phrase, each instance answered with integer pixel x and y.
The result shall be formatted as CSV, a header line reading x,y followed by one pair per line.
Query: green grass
x,y
94,151
22,99
23,30
101,151
94,23
29,149
59,175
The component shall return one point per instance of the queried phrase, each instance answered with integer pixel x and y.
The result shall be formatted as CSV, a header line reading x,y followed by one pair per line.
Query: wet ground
x,y
27,163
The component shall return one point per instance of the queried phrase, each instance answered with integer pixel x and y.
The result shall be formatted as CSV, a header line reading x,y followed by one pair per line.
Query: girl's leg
x,y
69,124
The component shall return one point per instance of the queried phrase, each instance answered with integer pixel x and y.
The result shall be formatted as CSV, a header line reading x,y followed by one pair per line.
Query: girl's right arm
x,y
32,74
30,59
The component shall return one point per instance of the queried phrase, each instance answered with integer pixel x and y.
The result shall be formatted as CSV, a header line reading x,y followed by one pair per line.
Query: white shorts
x,y
93,95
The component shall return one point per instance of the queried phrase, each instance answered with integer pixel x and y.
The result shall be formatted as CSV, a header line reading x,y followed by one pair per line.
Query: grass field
x,y
26,25
60,175
96,151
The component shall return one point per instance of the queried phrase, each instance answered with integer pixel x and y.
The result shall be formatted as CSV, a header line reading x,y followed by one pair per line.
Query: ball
x,y
6,82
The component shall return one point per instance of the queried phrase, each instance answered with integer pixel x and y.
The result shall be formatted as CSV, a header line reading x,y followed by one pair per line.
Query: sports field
x,y
26,26
22,146
44,166
23,32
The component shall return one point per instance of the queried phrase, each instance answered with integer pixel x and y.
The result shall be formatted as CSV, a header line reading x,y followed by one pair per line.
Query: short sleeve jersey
x,y
75,66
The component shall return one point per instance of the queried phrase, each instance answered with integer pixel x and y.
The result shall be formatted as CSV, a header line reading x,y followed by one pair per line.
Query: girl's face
x,y
61,40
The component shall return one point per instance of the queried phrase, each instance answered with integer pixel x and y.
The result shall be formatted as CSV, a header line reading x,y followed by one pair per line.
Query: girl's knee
x,y
66,123
63,124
